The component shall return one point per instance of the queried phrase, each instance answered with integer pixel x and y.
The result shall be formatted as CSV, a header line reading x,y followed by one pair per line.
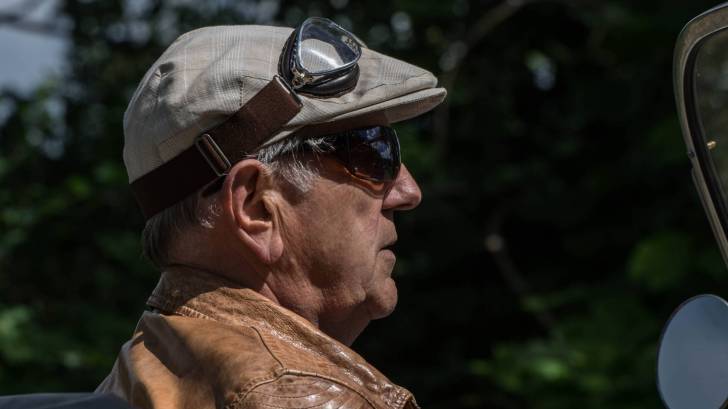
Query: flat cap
x,y
208,74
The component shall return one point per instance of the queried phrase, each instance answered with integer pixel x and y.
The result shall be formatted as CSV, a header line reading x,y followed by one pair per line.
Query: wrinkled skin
x,y
322,254
339,234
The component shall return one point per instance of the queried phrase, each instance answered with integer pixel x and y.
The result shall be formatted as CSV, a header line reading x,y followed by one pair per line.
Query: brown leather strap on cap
x,y
213,152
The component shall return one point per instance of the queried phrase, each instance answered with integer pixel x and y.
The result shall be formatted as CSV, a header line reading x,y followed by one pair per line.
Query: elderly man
x,y
263,160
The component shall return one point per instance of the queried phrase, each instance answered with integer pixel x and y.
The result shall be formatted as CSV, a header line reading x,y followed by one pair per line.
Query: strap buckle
x,y
213,155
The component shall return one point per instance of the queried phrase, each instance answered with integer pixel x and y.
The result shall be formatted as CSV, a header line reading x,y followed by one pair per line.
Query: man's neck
x,y
279,284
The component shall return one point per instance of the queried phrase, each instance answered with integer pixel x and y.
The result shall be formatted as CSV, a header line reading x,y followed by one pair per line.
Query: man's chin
x,y
382,303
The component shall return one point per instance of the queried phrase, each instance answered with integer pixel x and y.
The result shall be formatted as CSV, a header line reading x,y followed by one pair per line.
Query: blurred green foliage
x,y
559,227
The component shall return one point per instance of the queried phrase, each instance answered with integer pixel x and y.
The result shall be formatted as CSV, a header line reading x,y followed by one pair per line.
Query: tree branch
x,y
484,25
17,19
496,245
477,32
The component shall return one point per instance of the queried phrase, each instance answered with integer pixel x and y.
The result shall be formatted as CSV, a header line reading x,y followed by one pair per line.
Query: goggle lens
x,y
324,47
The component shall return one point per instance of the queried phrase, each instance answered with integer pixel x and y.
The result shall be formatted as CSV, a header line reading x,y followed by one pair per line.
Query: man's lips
x,y
390,245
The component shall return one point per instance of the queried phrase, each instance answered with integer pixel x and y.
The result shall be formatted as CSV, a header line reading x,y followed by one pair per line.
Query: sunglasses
x,y
370,154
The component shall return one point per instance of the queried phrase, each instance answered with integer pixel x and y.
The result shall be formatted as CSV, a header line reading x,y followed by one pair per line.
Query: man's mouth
x,y
390,246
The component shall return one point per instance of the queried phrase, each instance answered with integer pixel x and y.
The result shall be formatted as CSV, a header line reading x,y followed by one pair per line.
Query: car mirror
x,y
692,363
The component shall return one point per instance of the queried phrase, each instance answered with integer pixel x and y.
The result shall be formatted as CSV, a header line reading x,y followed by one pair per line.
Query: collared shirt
x,y
219,345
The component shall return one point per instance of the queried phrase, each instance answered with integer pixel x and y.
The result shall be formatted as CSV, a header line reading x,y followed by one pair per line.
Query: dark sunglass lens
x,y
374,154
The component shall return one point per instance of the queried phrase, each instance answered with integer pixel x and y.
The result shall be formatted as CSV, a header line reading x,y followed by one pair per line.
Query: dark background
x,y
559,226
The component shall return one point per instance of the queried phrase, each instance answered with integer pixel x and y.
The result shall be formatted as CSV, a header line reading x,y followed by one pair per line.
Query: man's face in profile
x,y
340,234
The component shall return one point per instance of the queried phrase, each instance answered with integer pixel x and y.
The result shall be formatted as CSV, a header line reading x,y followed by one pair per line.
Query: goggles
x,y
319,60
370,154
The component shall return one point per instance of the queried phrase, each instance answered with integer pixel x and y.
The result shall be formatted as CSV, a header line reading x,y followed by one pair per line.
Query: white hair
x,y
282,159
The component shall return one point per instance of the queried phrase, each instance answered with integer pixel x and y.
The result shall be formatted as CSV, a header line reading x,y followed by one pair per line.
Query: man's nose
x,y
405,194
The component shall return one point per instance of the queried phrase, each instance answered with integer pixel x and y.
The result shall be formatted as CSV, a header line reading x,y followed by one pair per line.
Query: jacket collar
x,y
203,295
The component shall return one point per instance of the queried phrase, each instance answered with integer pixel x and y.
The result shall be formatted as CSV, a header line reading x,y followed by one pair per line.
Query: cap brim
x,y
393,110
401,108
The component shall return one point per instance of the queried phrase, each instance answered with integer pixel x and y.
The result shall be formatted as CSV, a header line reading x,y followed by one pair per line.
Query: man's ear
x,y
248,193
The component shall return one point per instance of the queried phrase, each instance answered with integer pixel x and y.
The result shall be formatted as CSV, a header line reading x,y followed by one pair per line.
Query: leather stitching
x,y
265,344
239,397
345,390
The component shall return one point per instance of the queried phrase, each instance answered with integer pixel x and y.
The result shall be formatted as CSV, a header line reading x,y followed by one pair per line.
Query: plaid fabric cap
x,y
206,75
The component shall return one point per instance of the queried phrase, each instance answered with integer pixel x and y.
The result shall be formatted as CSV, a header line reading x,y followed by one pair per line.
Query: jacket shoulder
x,y
302,391
176,361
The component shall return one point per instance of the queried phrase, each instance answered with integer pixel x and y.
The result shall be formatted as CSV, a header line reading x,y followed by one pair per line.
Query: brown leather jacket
x,y
218,345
